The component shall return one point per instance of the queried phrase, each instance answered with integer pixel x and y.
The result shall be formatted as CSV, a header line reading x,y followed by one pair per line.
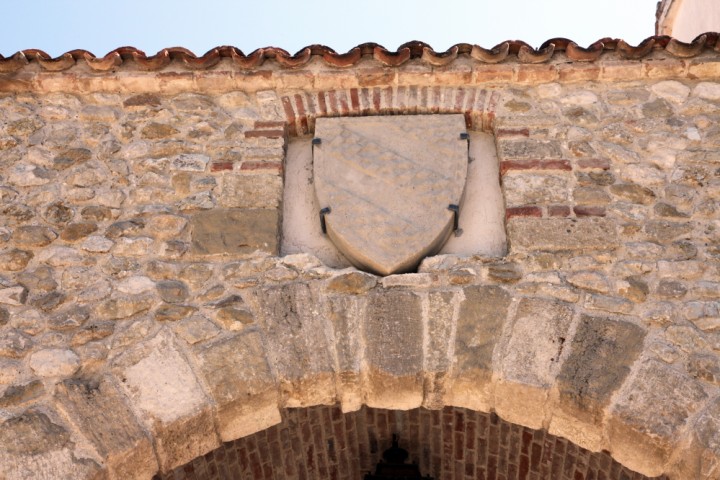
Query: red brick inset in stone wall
x,y
477,104
321,443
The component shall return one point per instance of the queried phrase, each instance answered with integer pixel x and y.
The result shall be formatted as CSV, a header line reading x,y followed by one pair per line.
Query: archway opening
x,y
322,442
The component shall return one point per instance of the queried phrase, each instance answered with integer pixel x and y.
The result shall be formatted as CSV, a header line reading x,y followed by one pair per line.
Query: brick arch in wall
x,y
475,103
400,345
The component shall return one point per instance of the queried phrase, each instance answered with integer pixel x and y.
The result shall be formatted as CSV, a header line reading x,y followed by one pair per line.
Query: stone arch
x,y
402,342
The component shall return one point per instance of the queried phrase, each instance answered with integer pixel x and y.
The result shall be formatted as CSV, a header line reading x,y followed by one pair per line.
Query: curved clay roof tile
x,y
579,54
528,55
160,60
686,50
343,60
103,64
255,59
439,60
496,55
13,63
391,59
408,51
634,53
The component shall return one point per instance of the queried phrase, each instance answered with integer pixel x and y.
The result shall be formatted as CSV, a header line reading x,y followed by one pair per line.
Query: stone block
x,y
529,149
531,359
345,313
649,414
251,191
97,409
298,346
480,322
34,445
168,400
238,375
523,189
442,309
394,349
231,231
553,234
601,356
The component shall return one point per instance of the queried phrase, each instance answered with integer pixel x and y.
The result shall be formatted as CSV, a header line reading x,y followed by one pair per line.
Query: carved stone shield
x,y
388,182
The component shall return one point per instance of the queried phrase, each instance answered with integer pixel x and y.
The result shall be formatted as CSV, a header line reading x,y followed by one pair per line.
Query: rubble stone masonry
x,y
146,316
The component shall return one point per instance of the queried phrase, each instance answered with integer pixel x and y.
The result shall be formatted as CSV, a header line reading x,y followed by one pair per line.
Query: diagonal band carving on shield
x,y
386,183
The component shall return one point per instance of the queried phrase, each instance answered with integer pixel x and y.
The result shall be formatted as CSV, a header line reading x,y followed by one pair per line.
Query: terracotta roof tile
x,y
509,51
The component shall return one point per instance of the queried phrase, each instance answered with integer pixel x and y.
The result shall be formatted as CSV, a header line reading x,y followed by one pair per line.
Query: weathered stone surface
x,y
4,316
98,410
34,446
298,347
77,231
479,326
71,157
228,231
54,362
401,152
13,295
238,374
171,312
601,356
531,359
41,278
16,395
649,414
442,309
393,349
48,301
14,343
633,193
167,398
157,130
252,191
561,234
14,259
165,226
663,231
542,189
34,236
530,150
172,291
345,313
196,329
234,318
124,306
588,280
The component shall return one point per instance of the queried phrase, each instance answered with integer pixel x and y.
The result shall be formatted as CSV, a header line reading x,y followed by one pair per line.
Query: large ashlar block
x,y
297,343
394,350
601,356
35,444
480,324
649,415
168,399
98,410
345,313
553,234
235,231
530,360
442,310
238,374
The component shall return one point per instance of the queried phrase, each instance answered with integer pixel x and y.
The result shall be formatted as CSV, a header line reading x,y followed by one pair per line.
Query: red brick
x,y
221,166
302,116
289,114
354,100
266,124
589,211
512,132
322,106
526,211
559,211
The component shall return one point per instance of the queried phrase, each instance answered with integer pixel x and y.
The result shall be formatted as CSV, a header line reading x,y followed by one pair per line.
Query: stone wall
x,y
452,443
145,317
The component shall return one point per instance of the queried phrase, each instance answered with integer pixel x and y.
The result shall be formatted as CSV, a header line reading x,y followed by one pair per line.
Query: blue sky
x,y
57,26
